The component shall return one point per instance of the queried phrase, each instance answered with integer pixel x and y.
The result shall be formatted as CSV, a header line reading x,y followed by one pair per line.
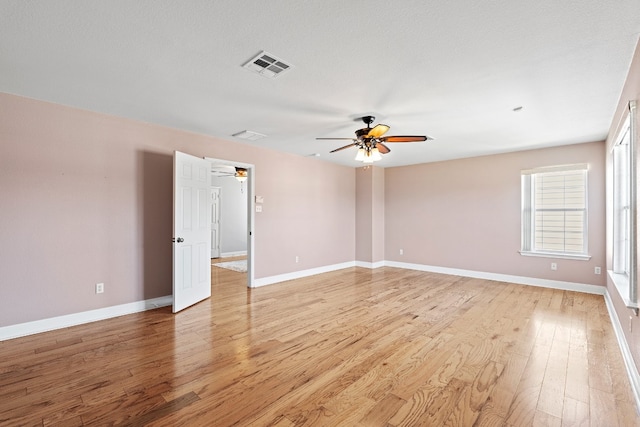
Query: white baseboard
x,y
263,281
371,265
632,371
521,280
230,254
44,325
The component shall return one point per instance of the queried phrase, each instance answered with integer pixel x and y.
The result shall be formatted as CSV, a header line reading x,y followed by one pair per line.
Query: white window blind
x,y
554,211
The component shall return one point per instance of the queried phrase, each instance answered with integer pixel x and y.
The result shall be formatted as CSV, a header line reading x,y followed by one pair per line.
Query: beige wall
x,y
370,214
377,213
465,214
631,91
86,198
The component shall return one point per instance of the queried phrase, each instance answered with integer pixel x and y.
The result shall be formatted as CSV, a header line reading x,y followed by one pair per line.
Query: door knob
x,y
179,240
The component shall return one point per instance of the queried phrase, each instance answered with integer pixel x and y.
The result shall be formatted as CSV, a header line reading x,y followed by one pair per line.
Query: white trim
x,y
562,255
621,283
633,225
632,371
263,281
251,220
230,254
59,322
371,265
521,280
556,168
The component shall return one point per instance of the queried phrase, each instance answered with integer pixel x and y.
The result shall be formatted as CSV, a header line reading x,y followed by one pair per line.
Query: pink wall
x,y
631,91
364,222
465,214
370,214
86,198
377,213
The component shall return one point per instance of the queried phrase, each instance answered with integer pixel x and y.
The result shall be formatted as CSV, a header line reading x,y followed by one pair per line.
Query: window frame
x,y
528,210
623,272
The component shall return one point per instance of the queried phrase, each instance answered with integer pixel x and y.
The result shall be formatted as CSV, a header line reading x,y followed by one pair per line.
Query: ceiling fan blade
x,y
383,149
338,139
342,148
377,131
405,138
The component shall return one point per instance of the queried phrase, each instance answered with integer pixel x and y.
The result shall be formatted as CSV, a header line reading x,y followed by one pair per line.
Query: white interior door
x,y
215,222
191,230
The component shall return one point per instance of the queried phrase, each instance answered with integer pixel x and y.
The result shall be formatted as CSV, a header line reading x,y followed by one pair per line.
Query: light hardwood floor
x,y
356,347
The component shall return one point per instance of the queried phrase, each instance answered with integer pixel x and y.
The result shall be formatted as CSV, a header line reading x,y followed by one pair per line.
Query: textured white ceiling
x,y
451,69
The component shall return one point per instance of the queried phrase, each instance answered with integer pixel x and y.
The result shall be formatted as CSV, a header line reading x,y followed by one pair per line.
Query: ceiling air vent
x,y
250,135
267,65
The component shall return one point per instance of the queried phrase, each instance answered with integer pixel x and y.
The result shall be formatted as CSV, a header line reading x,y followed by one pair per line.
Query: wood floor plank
x,y
575,413
552,392
475,396
602,408
496,409
542,419
525,402
357,347
382,411
577,381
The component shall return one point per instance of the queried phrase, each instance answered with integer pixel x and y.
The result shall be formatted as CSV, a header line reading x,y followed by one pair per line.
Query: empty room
x,y
242,213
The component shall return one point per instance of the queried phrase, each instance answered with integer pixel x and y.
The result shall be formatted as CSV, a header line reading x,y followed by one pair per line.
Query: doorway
x,y
246,192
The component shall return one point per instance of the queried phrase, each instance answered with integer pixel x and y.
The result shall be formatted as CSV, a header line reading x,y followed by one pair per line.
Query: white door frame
x,y
249,185
215,213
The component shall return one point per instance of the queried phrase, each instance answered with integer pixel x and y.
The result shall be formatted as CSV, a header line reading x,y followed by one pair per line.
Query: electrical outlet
x,y
554,266
401,252
99,288
297,258
597,270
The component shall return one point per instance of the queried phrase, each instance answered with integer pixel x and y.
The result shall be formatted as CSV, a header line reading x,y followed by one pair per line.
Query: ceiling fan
x,y
224,170
371,143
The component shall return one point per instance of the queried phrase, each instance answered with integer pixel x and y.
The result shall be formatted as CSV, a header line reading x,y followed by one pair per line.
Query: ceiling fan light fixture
x,y
371,155
360,155
241,174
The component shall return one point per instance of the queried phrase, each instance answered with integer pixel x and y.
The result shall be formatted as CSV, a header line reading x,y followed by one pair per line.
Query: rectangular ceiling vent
x,y
250,135
267,65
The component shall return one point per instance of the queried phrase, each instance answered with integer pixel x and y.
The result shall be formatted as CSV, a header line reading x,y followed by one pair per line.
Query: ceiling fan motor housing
x,y
361,133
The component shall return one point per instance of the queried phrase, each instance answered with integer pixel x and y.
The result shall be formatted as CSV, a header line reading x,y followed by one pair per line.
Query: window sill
x,y
556,255
621,282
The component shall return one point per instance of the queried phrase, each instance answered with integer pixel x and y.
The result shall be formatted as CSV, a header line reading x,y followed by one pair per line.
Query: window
x,y
622,202
554,211
623,272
